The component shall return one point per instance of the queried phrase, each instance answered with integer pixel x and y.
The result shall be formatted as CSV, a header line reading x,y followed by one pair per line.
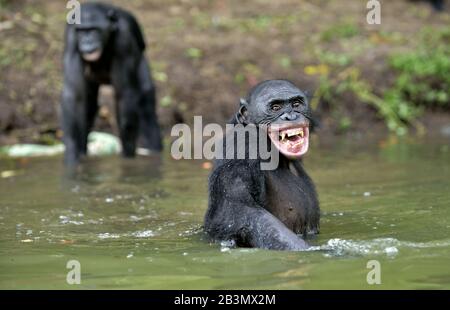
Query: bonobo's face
x,y
90,44
284,109
92,33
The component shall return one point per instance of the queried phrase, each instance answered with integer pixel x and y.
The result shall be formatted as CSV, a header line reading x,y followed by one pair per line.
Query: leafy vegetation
x,y
340,31
424,75
421,80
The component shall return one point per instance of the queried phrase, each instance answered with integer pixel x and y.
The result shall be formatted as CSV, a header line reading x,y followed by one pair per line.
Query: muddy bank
x,y
205,55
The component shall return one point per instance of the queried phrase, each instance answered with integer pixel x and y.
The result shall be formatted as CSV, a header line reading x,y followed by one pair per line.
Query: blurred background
x,y
364,79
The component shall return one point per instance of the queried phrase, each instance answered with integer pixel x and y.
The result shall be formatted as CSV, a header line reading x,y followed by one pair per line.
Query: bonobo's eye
x,y
298,102
275,106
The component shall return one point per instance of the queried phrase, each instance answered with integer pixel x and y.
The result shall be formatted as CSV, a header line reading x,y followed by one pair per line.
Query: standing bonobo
x,y
107,47
267,208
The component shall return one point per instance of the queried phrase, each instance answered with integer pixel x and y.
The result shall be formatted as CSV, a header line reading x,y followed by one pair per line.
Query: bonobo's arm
x,y
75,97
236,212
125,80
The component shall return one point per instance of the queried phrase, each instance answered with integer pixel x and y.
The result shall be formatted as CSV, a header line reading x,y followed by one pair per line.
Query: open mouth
x,y
92,56
291,140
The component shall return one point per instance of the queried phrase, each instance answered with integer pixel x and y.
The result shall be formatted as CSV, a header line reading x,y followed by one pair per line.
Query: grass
x,y
340,31
421,80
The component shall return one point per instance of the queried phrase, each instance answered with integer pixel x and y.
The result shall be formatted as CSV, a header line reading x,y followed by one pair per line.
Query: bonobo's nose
x,y
289,116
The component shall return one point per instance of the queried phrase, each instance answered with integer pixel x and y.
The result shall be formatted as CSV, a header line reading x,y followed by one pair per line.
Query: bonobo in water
x,y
267,208
107,47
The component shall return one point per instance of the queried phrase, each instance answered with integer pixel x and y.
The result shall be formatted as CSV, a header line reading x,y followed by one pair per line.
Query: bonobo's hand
x,y
297,244
268,232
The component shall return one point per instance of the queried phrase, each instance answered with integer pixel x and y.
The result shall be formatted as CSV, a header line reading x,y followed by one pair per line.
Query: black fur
x,y
438,5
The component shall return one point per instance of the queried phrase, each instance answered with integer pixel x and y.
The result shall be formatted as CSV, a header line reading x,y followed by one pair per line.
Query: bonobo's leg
x,y
238,214
72,122
125,83
148,119
92,105
78,109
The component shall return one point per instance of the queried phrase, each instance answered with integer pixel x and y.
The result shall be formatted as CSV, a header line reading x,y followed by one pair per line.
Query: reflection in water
x,y
137,223
96,169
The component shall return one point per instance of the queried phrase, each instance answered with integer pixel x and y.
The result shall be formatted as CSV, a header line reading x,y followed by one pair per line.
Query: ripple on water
x,y
386,246
143,234
108,236
137,234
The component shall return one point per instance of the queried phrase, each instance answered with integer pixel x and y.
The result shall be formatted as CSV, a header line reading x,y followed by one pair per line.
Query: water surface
x,y
137,224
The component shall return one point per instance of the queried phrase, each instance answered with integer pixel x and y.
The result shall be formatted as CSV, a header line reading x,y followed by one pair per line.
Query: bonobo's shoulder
x,y
124,13
134,27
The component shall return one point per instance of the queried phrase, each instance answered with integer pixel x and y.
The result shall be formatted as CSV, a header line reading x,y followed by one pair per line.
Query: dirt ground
x,y
206,54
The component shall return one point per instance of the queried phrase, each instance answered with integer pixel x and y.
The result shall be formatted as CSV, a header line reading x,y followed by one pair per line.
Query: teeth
x,y
293,132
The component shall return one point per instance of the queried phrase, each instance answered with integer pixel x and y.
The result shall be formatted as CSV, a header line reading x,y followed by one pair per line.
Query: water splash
x,y
136,234
380,246
108,236
143,234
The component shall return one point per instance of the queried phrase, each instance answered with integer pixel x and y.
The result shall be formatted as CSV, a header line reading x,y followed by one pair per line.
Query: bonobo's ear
x,y
113,17
314,122
241,115
307,94
313,118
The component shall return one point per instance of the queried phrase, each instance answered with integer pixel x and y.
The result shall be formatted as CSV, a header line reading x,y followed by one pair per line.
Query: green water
x,y
137,224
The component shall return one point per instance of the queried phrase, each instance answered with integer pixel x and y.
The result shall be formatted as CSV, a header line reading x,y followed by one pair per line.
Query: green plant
x,y
340,31
422,80
194,53
423,77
